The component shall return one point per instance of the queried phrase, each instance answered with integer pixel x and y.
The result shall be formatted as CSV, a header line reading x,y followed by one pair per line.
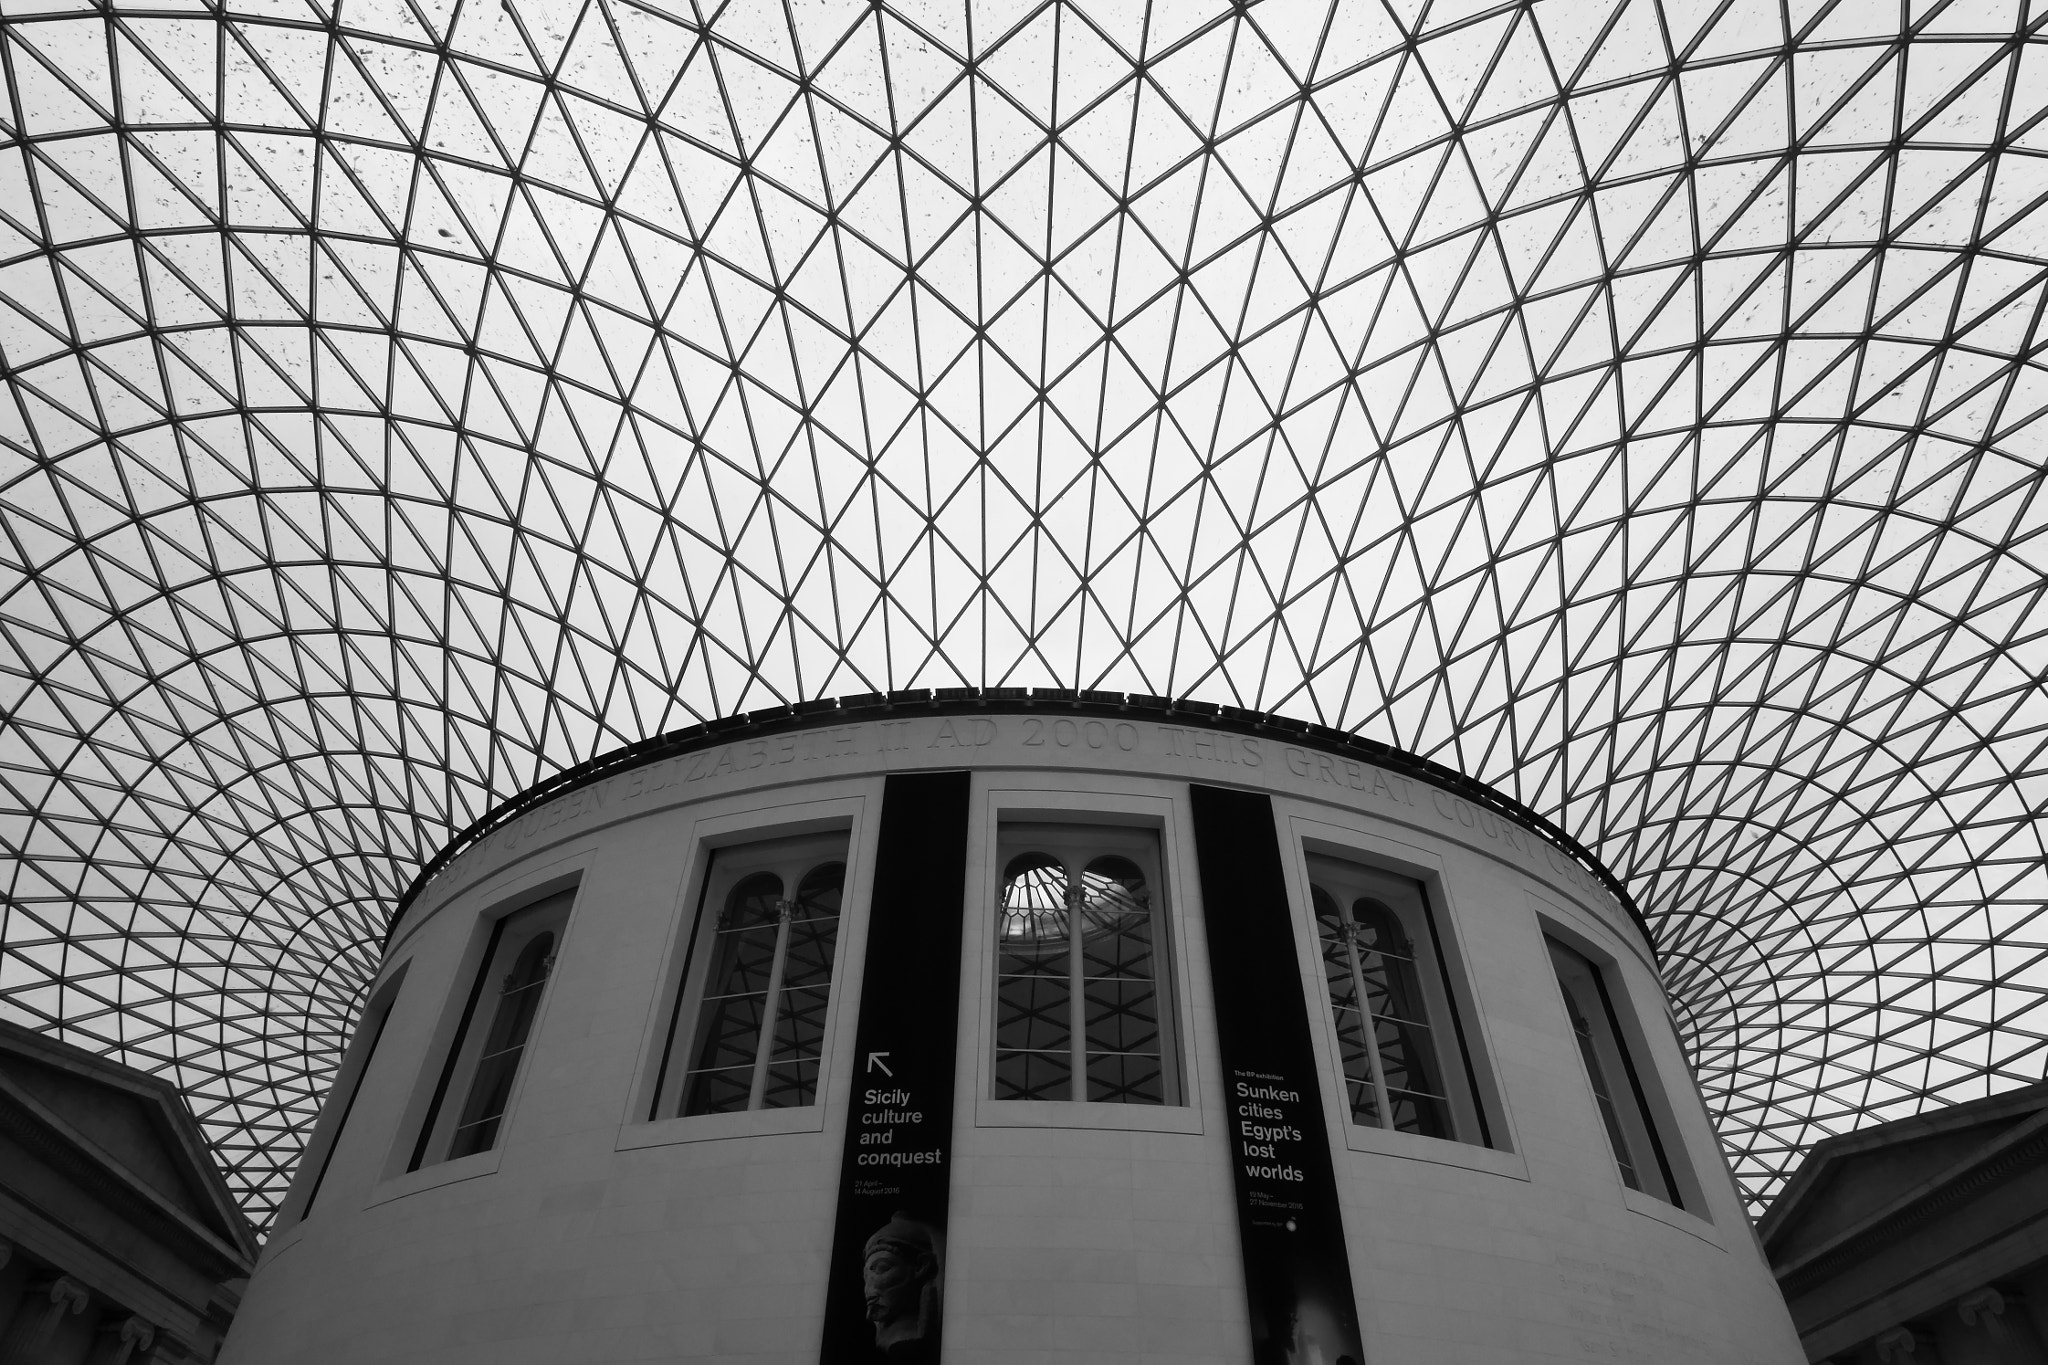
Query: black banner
x,y
884,1297
1297,1273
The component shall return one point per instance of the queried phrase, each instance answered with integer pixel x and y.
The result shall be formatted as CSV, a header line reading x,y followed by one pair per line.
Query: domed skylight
x,y
1633,405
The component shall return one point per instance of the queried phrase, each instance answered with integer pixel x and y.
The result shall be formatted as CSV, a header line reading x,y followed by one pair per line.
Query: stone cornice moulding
x,y
980,701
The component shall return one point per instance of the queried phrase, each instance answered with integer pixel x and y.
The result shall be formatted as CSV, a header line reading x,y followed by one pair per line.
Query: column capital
x,y
1904,1343
67,1294
1984,1309
137,1337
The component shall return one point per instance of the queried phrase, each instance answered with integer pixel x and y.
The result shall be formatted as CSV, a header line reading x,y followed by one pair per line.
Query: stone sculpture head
x,y
900,1276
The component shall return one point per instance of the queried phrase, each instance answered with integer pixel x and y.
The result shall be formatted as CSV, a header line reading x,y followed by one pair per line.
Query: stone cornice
x,y
49,1139
2018,1152
1011,701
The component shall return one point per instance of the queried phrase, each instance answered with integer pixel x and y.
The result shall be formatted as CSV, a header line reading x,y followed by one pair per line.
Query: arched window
x,y
1119,989
1078,988
1034,982
1390,1004
1390,1061
491,1037
1639,1153
518,1001
1603,1090
762,1004
797,1030
348,1084
729,1049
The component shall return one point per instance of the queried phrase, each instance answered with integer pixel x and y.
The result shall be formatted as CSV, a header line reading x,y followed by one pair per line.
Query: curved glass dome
x,y
1634,405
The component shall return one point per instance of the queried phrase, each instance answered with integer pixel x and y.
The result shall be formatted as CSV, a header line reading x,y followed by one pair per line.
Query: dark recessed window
x,y
1618,1093
1082,1006
348,1083
1402,1045
467,1113
760,987
498,1065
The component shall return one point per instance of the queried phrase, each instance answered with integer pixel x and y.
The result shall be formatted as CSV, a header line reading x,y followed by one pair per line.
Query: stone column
x,y
138,1343
1992,1328
124,1339
37,1319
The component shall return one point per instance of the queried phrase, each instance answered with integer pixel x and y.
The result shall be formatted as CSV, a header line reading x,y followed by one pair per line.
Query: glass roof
x,y
1634,405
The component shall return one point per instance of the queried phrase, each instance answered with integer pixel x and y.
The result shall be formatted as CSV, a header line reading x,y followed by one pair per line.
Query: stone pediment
x,y
1856,1185
123,1136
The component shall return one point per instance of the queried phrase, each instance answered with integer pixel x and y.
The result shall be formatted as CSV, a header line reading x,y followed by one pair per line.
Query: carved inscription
x,y
1193,750
1237,750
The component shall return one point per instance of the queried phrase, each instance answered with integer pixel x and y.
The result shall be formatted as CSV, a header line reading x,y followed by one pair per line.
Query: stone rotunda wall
x,y
1010,1035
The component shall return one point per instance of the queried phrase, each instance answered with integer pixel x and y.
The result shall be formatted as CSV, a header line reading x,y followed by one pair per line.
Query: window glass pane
x,y
811,935
1033,992
1033,1014
720,1092
732,1041
814,928
1034,902
1121,1006
1130,1078
799,1043
503,1000
498,1066
1396,1033
1640,1159
790,1084
1338,975
1123,1016
1413,1113
762,1003
1603,1092
1034,1075
1081,1012
736,1006
1407,1052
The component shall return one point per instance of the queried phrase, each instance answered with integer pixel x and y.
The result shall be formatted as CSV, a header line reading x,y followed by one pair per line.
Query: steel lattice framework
x,y
1635,405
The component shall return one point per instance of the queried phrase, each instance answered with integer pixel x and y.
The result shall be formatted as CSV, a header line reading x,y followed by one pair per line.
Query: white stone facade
x,y
1080,1231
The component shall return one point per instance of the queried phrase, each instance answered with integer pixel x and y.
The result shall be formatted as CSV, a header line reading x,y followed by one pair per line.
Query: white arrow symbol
x,y
875,1060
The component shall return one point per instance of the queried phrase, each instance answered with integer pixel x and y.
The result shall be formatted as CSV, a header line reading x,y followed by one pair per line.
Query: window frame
x,y
1078,846
1309,827
1451,1047
349,1080
722,822
1150,803
1640,1079
724,867
428,1133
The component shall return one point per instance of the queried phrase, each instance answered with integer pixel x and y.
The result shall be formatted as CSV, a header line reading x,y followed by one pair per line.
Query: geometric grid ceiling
x,y
1637,406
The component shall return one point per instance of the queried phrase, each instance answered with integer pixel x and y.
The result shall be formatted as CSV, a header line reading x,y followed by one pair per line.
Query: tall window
x,y
1617,1087
355,1068
475,1089
760,997
1081,1004
1398,1035
498,1065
